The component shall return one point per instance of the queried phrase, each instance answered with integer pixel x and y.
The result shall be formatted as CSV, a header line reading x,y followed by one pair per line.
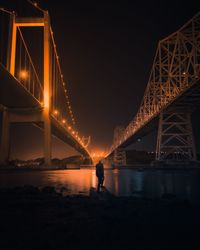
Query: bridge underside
x,y
25,108
13,95
189,101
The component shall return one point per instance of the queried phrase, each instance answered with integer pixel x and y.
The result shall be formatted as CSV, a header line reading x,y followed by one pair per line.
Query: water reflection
x,y
126,182
152,184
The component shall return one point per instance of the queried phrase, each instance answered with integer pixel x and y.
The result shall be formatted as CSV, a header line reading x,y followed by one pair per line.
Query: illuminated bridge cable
x,y
30,63
7,11
56,71
63,84
35,4
5,19
2,30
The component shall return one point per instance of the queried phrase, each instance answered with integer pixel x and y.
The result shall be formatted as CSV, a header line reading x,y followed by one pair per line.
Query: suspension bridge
x,y
171,95
31,91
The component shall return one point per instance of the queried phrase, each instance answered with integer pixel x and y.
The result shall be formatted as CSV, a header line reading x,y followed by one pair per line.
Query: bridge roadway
x,y
188,99
15,97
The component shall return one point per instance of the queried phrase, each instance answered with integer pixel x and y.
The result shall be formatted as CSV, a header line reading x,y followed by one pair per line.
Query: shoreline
x,y
137,168
48,220
140,169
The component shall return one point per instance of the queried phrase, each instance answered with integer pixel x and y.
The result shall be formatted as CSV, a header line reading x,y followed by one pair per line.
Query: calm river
x,y
127,182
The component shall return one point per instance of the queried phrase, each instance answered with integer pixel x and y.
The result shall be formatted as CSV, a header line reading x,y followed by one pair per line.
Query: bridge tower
x,y
12,115
175,136
119,156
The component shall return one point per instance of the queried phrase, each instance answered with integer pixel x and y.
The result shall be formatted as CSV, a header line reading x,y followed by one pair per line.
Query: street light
x,y
55,112
23,74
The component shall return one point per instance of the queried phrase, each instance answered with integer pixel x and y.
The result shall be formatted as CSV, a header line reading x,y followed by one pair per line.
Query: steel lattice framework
x,y
176,68
175,136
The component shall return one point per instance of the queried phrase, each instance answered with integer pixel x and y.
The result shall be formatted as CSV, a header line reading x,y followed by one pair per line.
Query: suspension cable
x,y
25,46
34,4
7,11
60,72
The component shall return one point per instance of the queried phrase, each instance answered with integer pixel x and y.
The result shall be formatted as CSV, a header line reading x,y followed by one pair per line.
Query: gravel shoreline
x,y
43,219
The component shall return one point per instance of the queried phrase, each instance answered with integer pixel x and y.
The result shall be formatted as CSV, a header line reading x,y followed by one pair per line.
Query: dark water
x,y
148,183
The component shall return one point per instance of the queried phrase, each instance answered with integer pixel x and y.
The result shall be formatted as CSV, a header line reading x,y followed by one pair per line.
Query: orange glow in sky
x,y
97,155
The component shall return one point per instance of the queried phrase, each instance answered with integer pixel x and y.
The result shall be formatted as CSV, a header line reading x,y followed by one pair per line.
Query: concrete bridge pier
x,y
47,138
5,138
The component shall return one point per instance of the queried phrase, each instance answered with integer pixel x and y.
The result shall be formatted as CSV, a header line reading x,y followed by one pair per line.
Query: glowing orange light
x,y
69,128
55,112
23,74
46,99
63,121
73,132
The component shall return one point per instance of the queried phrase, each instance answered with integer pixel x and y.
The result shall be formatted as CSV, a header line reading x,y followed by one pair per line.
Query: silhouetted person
x,y
100,175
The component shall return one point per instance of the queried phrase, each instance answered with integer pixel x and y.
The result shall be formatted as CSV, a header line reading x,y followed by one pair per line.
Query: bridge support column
x,y
47,138
119,157
5,138
47,91
175,137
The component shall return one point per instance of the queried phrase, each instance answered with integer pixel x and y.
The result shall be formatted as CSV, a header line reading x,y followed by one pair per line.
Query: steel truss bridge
x,y
171,95
34,93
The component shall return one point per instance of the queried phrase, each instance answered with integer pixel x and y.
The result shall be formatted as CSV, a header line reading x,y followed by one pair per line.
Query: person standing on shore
x,y
100,175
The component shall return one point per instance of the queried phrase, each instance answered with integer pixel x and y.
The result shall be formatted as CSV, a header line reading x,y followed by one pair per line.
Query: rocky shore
x,y
31,218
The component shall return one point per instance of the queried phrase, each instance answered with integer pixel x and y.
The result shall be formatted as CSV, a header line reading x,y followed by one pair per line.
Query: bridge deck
x,y
189,98
14,96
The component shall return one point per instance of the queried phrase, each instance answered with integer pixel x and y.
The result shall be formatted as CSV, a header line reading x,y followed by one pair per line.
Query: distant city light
x,y
98,155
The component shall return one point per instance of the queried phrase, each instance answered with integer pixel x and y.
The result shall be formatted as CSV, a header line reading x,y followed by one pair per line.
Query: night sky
x,y
106,52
